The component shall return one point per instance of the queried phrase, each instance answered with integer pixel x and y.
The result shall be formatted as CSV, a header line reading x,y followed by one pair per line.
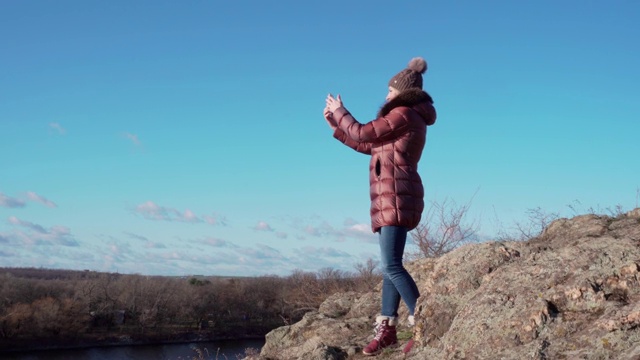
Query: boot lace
x,y
378,331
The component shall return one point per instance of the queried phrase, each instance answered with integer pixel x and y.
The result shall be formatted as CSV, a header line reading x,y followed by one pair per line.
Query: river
x,y
214,350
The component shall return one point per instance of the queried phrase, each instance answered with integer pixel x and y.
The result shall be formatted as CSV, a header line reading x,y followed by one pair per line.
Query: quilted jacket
x,y
395,140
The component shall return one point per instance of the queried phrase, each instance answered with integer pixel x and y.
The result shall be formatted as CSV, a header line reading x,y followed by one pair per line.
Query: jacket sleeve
x,y
361,147
381,129
364,148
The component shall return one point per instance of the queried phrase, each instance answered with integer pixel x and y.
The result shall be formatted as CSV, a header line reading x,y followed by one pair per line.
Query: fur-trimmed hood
x,y
416,99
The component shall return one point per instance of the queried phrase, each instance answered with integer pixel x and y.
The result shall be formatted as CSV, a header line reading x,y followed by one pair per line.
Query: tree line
x,y
48,307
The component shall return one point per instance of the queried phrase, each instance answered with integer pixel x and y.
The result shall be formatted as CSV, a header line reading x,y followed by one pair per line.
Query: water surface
x,y
213,350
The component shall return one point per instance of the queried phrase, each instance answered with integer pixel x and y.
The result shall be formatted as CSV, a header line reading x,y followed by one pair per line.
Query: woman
x,y
395,140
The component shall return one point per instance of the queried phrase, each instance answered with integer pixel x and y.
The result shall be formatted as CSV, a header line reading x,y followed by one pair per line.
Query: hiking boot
x,y
385,335
407,348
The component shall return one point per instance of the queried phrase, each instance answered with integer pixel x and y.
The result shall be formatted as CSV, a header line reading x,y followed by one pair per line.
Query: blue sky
x,y
175,138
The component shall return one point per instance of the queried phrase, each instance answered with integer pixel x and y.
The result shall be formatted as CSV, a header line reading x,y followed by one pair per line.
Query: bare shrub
x,y
367,275
537,221
305,293
577,209
46,317
332,280
308,289
16,321
444,227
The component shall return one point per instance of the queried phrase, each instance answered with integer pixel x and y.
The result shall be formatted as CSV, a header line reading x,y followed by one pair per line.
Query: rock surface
x,y
571,293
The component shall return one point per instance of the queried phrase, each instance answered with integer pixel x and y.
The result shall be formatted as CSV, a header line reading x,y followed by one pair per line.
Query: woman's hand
x,y
333,103
327,113
328,116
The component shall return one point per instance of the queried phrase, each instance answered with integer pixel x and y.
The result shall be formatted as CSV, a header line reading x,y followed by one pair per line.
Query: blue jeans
x,y
396,282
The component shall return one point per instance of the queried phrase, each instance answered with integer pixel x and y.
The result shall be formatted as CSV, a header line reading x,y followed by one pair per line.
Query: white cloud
x,y
350,229
323,251
82,256
260,254
152,211
35,227
41,199
313,231
215,242
208,254
57,127
136,236
262,226
189,216
9,202
310,258
360,229
133,138
362,232
148,244
349,222
154,245
38,235
215,219
324,230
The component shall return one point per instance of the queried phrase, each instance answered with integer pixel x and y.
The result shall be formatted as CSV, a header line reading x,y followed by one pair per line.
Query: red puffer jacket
x,y
395,141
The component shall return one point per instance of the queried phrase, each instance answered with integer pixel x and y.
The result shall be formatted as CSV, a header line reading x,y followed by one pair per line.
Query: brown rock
x,y
571,293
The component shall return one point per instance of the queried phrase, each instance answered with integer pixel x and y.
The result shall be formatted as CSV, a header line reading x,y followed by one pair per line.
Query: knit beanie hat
x,y
411,77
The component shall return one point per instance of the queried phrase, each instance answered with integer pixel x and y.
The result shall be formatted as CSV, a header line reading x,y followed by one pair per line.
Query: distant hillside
x,y
48,274
65,274
571,293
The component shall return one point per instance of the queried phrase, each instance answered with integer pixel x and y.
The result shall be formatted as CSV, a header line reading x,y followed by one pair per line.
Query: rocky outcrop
x,y
571,293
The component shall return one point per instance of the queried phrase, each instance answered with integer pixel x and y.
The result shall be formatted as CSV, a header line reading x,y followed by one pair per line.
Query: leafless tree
x,y
16,321
444,227
304,292
367,275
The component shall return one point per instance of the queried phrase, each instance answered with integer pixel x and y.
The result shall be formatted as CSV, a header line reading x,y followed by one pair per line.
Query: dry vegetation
x,y
444,227
44,307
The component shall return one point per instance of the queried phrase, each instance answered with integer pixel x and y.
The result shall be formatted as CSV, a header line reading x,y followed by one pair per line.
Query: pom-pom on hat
x,y
411,77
